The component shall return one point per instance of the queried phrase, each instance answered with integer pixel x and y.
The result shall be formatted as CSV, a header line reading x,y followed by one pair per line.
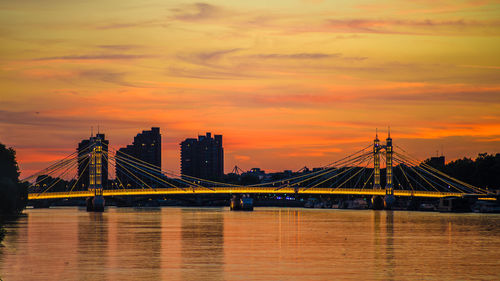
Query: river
x,y
267,244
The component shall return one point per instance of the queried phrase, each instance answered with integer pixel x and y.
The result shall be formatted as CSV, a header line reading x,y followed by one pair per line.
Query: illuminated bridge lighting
x,y
351,175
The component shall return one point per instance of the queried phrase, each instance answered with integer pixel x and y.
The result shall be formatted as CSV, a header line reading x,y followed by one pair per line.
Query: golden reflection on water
x,y
267,244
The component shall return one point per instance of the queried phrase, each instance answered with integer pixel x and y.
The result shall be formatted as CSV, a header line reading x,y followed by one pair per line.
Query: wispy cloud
x,y
199,12
305,56
104,76
77,77
97,57
207,73
296,56
398,26
126,47
243,63
205,56
136,24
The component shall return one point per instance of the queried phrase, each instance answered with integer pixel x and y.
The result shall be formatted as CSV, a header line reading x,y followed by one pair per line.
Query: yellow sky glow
x,y
288,83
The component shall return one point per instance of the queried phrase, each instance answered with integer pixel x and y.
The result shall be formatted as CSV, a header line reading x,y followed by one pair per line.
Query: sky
x,y
287,83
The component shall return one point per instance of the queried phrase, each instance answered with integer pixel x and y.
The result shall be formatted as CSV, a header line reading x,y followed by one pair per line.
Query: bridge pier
x,y
95,204
241,203
383,202
377,202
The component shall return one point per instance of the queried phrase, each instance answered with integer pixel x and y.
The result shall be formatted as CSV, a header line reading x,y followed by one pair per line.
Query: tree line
x,y
484,171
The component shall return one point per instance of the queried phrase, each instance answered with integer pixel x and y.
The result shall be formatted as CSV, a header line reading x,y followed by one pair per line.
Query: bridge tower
x,y
376,162
377,201
388,161
96,203
389,198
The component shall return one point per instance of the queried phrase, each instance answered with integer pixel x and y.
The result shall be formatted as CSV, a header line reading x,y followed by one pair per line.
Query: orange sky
x,y
288,83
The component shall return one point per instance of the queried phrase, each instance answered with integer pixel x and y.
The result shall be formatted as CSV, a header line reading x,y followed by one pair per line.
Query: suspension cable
x,y
141,170
349,169
443,174
80,176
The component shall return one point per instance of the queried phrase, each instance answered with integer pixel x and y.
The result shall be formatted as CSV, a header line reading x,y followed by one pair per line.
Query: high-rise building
x,y
437,162
84,148
146,147
203,157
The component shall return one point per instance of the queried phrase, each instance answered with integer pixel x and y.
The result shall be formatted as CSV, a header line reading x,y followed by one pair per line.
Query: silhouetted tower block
x,y
145,151
376,162
437,162
203,157
388,161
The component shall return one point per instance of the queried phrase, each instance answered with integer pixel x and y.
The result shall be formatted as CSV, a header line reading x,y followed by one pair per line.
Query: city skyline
x,y
288,84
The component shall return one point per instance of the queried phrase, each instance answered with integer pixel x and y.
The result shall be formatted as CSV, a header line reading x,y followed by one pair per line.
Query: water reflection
x,y
93,244
11,236
383,242
137,239
202,245
389,244
267,244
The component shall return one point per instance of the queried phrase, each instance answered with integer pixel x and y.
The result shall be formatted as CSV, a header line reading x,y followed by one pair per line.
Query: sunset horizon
x,y
287,84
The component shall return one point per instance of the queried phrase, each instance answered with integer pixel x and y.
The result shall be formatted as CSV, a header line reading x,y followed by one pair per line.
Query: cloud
x,y
121,25
397,26
198,12
211,66
205,56
294,100
238,20
296,56
478,96
105,76
126,47
288,24
304,56
60,121
237,63
77,77
206,73
209,58
96,57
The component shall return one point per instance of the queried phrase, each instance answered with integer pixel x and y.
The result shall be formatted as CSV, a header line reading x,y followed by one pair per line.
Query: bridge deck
x,y
244,189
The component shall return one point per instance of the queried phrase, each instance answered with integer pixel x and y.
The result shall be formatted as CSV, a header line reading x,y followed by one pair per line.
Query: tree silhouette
x,y
13,194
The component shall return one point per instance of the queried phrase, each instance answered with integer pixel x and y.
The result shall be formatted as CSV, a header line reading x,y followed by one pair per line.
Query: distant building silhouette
x,y
146,147
437,162
83,162
203,157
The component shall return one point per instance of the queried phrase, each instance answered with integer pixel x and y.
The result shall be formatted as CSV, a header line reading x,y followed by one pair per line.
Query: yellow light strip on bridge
x,y
253,190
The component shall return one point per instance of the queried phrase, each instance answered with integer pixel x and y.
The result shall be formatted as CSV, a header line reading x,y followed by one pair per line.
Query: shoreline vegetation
x,y
13,193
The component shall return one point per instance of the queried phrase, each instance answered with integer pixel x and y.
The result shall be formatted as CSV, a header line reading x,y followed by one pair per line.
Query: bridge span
x,y
359,174
248,190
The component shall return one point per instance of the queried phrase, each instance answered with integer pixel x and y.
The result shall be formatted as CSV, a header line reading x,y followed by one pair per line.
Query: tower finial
x,y
91,131
376,133
389,132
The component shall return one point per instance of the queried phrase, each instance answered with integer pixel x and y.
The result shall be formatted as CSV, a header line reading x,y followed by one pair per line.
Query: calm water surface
x,y
267,244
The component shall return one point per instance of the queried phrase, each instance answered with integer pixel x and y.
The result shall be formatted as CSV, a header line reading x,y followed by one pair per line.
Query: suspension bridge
x,y
83,174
